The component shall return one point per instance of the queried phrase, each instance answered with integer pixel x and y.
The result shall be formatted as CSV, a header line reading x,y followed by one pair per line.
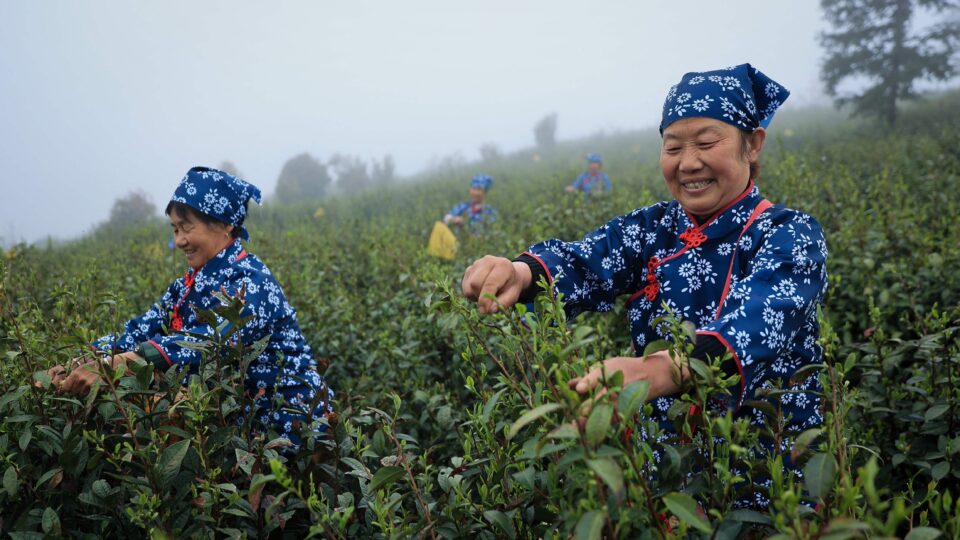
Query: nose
x,y
181,241
690,160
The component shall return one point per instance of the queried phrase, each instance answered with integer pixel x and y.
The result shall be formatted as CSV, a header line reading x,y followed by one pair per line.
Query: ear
x,y
755,142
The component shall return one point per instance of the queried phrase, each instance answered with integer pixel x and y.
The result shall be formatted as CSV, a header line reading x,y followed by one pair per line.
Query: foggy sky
x,y
100,98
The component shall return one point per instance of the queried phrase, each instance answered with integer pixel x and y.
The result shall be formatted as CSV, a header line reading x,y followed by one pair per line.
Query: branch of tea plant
x,y
31,367
837,422
503,369
520,365
638,473
105,376
413,484
472,332
528,353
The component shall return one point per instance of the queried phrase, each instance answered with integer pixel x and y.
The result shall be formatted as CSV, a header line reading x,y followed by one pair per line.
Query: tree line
x,y
876,56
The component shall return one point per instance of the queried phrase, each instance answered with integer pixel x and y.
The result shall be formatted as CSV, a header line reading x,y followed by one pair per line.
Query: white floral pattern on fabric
x,y
748,98
217,194
296,379
768,320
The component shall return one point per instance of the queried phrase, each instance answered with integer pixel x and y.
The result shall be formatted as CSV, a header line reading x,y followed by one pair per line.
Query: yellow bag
x,y
443,243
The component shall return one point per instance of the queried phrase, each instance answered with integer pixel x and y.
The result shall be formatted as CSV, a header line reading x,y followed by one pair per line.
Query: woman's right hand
x,y
57,375
496,276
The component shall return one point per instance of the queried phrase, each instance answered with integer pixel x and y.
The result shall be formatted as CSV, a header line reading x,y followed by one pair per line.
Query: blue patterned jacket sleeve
x,y
608,186
591,273
138,329
769,320
263,300
578,183
459,209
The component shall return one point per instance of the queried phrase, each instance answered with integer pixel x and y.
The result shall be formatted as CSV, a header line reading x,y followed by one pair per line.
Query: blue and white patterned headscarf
x,y
741,96
217,194
594,158
482,181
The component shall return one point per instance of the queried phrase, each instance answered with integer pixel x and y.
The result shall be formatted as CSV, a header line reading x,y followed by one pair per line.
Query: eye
x,y
671,149
706,145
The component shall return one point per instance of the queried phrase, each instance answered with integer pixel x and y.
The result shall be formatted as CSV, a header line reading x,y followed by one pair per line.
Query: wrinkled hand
x,y
569,189
658,369
85,372
79,381
496,276
57,375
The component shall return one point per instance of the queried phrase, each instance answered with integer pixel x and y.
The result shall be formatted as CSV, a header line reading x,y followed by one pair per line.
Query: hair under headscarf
x,y
217,194
741,96
481,181
594,158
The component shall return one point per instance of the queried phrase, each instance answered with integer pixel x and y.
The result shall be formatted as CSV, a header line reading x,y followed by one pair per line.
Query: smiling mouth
x,y
698,185
189,252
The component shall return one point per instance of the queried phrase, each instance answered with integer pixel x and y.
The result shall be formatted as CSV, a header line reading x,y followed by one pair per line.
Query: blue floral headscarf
x,y
217,194
594,158
741,96
482,181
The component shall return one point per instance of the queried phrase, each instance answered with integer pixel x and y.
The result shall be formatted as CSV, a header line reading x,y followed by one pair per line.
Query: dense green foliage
x,y
452,425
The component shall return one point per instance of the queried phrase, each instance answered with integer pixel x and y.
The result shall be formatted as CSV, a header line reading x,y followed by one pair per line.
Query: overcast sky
x,y
100,98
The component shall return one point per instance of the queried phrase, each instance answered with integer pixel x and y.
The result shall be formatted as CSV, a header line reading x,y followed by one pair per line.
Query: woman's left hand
x,y
85,373
80,380
659,369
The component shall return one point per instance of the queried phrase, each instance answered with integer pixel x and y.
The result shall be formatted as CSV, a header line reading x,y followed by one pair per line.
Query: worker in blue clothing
x,y
747,273
475,214
207,213
593,180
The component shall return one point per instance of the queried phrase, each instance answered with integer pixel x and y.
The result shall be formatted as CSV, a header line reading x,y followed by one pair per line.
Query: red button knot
x,y
693,237
652,288
651,291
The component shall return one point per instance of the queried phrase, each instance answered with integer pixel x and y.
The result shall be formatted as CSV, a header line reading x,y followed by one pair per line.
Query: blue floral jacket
x,y
592,183
764,313
286,366
476,217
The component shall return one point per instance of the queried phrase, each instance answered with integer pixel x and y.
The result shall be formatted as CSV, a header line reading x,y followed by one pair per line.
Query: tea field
x,y
452,425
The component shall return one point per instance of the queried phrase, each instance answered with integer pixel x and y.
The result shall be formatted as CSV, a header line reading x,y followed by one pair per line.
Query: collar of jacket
x,y
225,258
728,220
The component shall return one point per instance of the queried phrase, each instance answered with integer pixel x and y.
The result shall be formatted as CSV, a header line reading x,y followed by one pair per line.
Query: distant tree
x,y
489,152
874,40
131,209
545,131
383,171
302,177
350,172
448,163
229,167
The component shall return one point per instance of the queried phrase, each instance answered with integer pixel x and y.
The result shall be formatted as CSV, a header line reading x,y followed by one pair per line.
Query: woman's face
x,y
199,241
705,164
477,195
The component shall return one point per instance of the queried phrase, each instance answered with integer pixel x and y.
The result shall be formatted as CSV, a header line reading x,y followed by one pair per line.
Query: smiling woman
x,y
705,163
749,275
207,212
198,235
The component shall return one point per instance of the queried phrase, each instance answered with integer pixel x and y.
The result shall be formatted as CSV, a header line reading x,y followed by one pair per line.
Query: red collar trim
x,y
713,218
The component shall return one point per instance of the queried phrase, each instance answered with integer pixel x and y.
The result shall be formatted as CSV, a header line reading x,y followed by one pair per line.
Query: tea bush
x,y
452,425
